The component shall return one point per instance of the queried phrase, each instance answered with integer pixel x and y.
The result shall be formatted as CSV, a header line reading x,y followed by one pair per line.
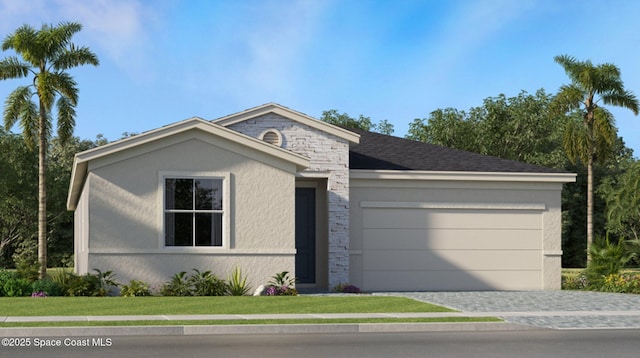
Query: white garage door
x,y
419,246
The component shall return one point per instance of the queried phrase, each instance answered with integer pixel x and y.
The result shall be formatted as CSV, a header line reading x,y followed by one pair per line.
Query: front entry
x,y
306,235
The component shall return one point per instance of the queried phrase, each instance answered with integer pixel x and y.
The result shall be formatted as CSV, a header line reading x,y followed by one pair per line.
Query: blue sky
x,y
165,61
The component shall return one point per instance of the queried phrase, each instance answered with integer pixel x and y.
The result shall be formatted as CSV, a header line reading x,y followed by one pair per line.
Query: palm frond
x,y
11,67
569,63
14,104
29,123
73,57
625,99
604,133
64,84
22,41
45,86
568,99
66,118
55,39
575,141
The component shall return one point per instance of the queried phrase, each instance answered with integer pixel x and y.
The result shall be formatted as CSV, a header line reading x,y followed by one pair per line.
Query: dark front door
x,y
306,235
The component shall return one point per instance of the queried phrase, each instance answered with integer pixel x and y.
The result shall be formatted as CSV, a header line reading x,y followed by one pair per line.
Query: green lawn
x,y
100,306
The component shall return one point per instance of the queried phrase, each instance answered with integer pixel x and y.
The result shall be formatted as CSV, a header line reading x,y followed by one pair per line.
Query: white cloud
x,y
255,49
116,25
115,29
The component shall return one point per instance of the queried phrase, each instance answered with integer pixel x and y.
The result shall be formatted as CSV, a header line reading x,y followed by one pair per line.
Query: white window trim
x,y
226,209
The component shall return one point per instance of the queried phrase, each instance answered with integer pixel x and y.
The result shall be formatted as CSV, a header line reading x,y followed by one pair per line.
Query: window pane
x,y
208,194
217,230
208,229
178,229
217,194
204,194
203,229
179,194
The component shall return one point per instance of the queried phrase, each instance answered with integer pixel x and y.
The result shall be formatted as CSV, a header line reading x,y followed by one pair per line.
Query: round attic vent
x,y
272,136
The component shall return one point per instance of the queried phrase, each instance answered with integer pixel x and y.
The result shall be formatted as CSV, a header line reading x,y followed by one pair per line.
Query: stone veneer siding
x,y
328,155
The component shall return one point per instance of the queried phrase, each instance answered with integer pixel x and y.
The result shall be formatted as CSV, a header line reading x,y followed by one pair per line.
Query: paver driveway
x,y
551,309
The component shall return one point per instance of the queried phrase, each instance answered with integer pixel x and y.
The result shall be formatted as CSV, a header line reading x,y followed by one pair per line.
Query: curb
x,y
261,329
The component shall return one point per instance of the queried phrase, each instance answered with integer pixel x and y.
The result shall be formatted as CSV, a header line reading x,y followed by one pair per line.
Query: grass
x,y
101,306
253,321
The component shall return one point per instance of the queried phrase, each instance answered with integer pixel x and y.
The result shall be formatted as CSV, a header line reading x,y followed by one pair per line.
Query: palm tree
x,y
45,54
593,135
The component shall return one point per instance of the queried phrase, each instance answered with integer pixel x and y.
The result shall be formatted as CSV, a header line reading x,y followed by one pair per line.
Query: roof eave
x,y
463,175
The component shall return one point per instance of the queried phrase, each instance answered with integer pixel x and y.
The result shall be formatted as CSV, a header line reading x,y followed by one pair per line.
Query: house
x,y
271,189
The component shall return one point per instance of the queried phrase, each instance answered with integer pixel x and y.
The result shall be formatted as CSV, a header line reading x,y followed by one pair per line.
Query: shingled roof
x,y
383,152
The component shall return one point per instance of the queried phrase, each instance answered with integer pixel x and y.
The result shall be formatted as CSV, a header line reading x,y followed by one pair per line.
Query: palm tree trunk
x,y
42,193
589,206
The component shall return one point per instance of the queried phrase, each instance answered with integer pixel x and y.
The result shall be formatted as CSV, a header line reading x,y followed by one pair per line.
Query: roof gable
x,y
82,159
288,113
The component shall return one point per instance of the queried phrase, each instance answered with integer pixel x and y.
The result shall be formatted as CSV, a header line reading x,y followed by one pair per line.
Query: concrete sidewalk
x,y
288,328
327,316
250,328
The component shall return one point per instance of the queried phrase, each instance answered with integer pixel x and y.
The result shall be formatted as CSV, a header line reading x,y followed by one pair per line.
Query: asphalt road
x,y
522,344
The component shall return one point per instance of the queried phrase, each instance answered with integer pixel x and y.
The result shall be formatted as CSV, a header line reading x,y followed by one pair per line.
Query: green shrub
x,y
48,286
16,287
574,282
4,277
622,283
84,285
99,284
106,282
206,284
61,277
178,286
135,288
197,284
12,285
237,284
606,259
27,269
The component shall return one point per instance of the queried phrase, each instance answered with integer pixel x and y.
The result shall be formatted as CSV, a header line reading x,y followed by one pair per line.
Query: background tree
x,y
19,199
384,127
623,203
45,54
593,136
18,195
515,128
343,119
447,127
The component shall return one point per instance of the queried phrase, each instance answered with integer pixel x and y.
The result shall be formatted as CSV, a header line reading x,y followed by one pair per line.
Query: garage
x,y
416,246
428,218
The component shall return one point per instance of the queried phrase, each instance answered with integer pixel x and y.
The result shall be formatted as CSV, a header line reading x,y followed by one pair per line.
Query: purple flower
x,y
271,291
350,289
39,294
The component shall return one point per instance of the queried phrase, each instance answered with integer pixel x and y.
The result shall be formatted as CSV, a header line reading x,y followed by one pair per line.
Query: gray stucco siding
x,y
125,210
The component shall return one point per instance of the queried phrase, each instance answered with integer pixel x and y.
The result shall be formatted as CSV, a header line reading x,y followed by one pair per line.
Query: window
x,y
193,211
